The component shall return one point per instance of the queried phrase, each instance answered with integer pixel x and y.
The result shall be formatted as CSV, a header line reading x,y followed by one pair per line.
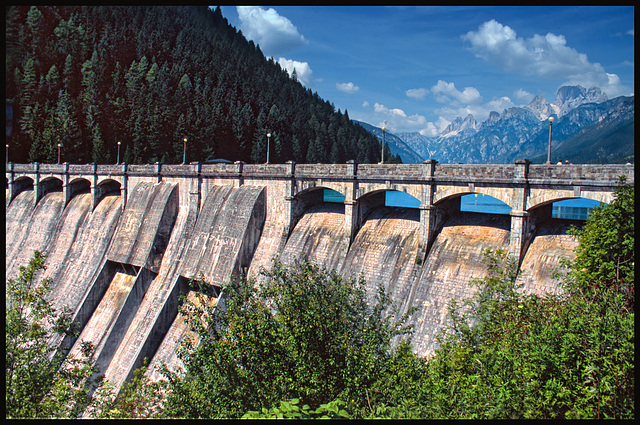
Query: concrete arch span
x,y
540,197
371,188
504,194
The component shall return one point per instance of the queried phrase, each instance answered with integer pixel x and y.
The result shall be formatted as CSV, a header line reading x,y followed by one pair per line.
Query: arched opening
x,y
51,184
333,196
573,209
481,203
395,198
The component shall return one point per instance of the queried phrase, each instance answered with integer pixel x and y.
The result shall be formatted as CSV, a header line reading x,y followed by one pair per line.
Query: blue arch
x,y
395,198
573,209
479,202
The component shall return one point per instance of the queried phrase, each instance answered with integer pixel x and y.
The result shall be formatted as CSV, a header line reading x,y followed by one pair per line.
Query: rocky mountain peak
x,y
570,97
540,107
460,125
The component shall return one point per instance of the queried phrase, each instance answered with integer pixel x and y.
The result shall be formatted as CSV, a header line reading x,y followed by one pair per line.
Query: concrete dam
x,y
122,241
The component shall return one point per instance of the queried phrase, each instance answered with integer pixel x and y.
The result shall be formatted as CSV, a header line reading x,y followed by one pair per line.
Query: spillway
x,y
550,244
222,244
384,251
319,235
454,259
122,265
33,231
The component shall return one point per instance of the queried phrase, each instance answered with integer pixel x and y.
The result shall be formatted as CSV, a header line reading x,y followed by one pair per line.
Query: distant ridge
x,y
588,128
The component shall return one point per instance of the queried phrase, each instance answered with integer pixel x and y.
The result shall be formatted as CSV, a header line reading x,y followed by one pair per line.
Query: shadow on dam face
x,y
224,239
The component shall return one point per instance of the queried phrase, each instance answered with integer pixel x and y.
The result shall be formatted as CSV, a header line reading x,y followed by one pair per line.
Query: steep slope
x,y
320,236
454,259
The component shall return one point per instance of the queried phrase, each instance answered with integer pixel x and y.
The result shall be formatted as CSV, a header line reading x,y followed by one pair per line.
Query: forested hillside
x,y
88,77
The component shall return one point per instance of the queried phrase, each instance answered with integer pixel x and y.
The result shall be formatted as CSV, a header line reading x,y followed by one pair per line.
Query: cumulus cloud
x,y
397,119
303,70
274,34
447,93
523,95
418,94
347,87
543,56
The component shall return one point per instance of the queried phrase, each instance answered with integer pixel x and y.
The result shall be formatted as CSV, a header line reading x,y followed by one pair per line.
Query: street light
x,y
268,140
7,153
184,153
59,152
549,151
118,152
382,156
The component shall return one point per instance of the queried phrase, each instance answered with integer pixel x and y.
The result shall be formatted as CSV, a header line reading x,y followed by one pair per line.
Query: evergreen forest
x,y
88,77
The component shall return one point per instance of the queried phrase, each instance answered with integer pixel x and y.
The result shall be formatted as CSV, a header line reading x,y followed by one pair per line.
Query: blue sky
x,y
419,67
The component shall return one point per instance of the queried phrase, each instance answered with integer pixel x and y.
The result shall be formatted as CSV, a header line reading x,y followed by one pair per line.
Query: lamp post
x,y
268,140
7,153
549,151
184,152
59,145
118,152
382,156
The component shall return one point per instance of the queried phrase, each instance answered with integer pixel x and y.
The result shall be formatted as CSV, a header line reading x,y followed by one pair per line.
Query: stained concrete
x,y
122,265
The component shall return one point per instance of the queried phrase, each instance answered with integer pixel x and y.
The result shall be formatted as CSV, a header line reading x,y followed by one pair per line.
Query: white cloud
x,y
274,34
418,94
347,87
523,95
397,119
447,93
303,70
543,56
365,104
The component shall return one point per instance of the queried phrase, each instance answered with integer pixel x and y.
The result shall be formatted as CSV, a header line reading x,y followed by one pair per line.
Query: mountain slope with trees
x,y
88,77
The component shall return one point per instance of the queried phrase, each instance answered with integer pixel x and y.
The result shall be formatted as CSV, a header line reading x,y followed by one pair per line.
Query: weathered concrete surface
x,y
36,233
551,243
219,220
320,236
455,259
222,244
146,224
226,233
384,252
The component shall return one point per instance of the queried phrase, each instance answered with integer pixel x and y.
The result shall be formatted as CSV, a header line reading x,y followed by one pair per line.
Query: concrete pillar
x,y
123,187
66,189
519,214
95,193
519,223
289,196
195,191
37,187
351,206
428,211
239,180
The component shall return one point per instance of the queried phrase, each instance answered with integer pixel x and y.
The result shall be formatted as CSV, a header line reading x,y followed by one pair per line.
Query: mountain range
x,y
588,128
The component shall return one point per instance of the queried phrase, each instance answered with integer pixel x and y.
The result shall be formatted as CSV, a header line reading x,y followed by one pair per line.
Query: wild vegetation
x,y
88,77
307,344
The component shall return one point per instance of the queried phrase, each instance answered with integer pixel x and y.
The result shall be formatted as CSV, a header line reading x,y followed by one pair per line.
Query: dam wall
x,y
123,241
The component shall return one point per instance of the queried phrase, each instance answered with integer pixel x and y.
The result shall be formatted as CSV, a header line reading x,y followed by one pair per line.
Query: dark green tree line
x,y
90,76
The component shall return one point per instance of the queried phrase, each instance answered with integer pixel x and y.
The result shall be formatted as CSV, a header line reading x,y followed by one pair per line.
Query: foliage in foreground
x,y
305,334
307,345
510,355
39,382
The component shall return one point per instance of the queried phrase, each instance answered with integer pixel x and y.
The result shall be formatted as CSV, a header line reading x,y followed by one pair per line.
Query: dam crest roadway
x,y
123,240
